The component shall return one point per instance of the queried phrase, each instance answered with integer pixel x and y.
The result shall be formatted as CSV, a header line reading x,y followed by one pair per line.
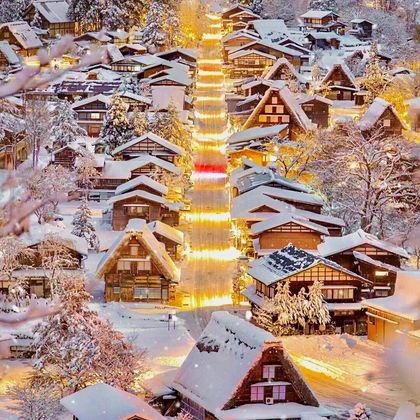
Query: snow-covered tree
x,y
375,80
75,347
323,5
257,6
86,172
359,412
265,314
316,309
241,280
130,84
83,226
116,129
38,127
367,180
55,259
14,255
140,122
64,127
87,13
37,20
279,9
35,402
12,10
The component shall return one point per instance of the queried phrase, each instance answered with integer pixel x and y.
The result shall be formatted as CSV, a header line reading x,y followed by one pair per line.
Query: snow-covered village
x,y
209,209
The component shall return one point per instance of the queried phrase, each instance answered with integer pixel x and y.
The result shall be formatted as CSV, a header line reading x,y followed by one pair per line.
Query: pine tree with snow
x,y
12,10
323,5
359,412
113,15
274,9
87,13
64,126
257,6
37,20
116,129
154,34
265,314
83,226
140,122
75,347
375,80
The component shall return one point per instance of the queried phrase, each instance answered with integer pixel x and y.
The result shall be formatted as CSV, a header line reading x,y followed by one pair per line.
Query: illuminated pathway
x,y
208,272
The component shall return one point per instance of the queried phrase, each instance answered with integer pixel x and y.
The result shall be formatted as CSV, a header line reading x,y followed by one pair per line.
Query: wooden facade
x,y
389,122
342,86
21,37
361,29
136,206
90,116
317,110
280,236
65,156
322,21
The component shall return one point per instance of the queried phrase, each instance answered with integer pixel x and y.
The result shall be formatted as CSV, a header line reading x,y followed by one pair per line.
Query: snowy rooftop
x,y
335,245
104,402
317,14
53,11
256,133
270,28
287,262
375,111
226,350
141,180
405,302
283,62
137,228
168,232
137,193
24,34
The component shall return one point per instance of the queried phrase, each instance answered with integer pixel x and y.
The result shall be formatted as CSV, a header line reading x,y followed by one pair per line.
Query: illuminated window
x,y
274,100
286,118
269,371
95,116
117,290
262,118
144,265
257,393
387,123
379,273
123,265
279,392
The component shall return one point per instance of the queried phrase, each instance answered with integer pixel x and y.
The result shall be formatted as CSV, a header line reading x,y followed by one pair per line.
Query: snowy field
x,y
344,370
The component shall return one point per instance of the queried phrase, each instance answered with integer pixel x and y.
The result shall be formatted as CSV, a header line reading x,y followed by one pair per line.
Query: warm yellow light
x,y
210,115
210,61
209,85
210,73
208,217
228,254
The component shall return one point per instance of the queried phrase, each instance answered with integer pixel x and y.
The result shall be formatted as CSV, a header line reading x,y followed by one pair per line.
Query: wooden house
x,y
414,113
322,20
129,64
114,173
92,38
249,62
13,147
116,403
73,90
118,37
279,106
236,39
172,238
341,82
324,40
365,254
254,87
388,317
91,113
342,289
35,275
137,267
141,204
52,16
237,17
283,70
142,183
21,37
149,144
132,49
66,156
179,54
136,102
382,115
9,60
238,371
317,109
282,229
361,28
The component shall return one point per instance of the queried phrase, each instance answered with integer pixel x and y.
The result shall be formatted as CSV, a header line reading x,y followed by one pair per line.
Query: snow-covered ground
x,y
344,370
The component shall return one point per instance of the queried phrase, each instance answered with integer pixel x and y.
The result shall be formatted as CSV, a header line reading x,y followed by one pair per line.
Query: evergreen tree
x,y
375,80
12,10
37,20
264,316
116,129
274,9
64,126
130,84
316,310
114,15
75,347
154,35
140,123
257,6
323,5
87,13
83,226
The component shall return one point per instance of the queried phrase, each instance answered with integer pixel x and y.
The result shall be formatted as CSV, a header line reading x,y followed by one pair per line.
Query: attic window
x,y
387,123
269,371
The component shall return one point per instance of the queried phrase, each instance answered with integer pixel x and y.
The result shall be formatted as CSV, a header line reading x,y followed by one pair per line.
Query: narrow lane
x,y
207,275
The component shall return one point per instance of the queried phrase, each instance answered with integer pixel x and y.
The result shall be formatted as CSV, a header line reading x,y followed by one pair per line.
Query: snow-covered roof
x,y
317,14
290,261
405,302
368,260
255,133
270,28
345,70
122,169
267,44
241,33
38,234
137,193
374,113
243,53
9,53
361,21
304,98
335,245
154,138
24,34
138,229
290,103
135,97
189,52
283,62
169,232
104,402
53,11
284,218
226,350
101,98
324,35
141,180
